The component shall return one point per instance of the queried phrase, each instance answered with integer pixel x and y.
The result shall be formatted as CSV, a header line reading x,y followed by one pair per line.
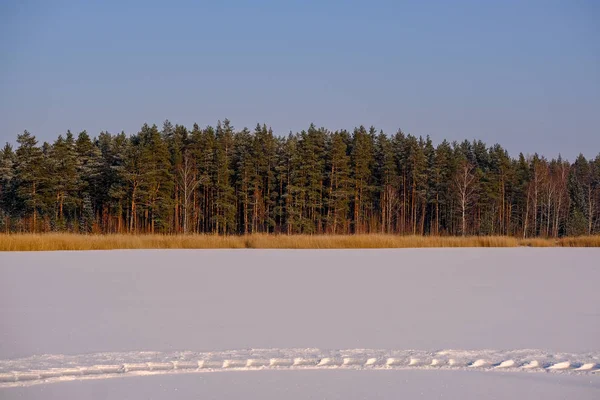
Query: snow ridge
x,y
55,368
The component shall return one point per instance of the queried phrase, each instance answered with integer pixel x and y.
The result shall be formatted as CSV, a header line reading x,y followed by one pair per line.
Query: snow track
x,y
55,368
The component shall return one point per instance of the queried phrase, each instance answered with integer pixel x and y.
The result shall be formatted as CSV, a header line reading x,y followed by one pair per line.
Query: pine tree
x,y
264,159
245,173
203,149
293,185
311,152
362,159
86,222
387,182
29,177
156,182
430,189
584,185
7,194
90,169
177,141
500,171
112,182
225,200
416,180
338,167
442,174
521,195
64,178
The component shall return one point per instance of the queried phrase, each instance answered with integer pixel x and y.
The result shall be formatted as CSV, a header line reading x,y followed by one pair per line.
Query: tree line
x,y
221,181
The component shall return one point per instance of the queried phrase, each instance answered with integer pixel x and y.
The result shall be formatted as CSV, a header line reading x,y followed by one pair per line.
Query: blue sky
x,y
525,74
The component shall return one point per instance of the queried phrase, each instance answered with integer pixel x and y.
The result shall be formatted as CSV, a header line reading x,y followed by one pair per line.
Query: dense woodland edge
x,y
217,180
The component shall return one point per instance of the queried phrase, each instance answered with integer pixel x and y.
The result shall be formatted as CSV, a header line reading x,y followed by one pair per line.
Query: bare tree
x,y
550,191
188,177
389,205
465,182
561,178
540,170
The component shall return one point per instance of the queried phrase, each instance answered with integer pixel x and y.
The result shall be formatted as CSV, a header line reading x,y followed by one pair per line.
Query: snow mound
x,y
185,364
480,363
506,364
256,363
210,364
53,368
390,362
160,366
354,361
329,362
234,363
532,364
283,362
588,367
370,362
560,366
303,362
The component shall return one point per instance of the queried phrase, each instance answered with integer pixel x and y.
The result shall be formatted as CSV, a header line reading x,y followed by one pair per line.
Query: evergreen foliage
x,y
222,181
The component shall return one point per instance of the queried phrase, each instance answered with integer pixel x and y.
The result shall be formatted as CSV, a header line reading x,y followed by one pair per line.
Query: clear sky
x,y
524,73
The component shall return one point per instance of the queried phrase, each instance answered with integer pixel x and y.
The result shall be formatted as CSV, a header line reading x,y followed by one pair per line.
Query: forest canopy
x,y
221,181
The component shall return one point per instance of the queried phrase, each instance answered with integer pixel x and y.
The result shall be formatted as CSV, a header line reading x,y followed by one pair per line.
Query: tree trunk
x,y
526,215
34,208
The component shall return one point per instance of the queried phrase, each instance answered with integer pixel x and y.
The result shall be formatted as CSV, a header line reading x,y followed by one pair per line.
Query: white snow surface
x,y
321,384
94,315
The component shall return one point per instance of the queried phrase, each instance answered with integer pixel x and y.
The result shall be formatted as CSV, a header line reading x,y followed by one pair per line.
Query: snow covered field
x,y
495,323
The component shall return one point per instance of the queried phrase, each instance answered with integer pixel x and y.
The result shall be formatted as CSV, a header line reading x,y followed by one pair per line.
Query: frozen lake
x,y
457,309
330,384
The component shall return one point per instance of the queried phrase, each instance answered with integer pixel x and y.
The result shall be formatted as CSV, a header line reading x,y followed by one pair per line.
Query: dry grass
x,y
39,242
374,241
65,241
580,241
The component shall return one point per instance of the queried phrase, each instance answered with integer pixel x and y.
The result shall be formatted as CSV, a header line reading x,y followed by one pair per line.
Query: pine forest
x,y
218,180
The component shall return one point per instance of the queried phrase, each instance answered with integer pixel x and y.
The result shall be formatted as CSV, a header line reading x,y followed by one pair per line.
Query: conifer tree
x,y
225,200
28,177
338,177
7,194
387,182
64,177
245,173
157,182
441,174
362,158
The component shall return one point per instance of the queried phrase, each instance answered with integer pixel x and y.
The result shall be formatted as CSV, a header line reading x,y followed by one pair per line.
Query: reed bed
x,y
65,241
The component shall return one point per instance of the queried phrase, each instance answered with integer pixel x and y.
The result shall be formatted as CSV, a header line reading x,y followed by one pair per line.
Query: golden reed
x,y
66,241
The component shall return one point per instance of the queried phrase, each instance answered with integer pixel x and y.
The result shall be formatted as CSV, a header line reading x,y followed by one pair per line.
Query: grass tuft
x,y
66,241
